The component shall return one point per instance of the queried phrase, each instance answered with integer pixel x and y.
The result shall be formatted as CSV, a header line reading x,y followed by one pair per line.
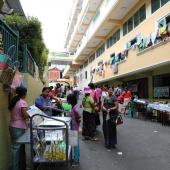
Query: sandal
x,y
85,138
75,165
95,139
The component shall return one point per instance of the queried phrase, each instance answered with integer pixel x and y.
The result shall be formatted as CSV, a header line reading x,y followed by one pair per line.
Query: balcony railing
x,y
98,20
9,38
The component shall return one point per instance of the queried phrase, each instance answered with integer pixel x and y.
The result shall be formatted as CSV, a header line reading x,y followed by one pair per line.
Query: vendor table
x,y
143,104
162,108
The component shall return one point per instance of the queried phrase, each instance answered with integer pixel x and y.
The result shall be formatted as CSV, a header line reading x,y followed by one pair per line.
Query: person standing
x,y
89,126
59,91
110,107
118,91
76,119
78,91
104,94
18,123
62,88
68,91
99,91
126,94
94,94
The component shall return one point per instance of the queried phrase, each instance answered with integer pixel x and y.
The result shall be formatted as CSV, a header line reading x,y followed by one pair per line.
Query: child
x,y
76,119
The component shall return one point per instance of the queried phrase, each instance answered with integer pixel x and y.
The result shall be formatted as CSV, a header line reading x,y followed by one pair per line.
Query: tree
x,y
30,32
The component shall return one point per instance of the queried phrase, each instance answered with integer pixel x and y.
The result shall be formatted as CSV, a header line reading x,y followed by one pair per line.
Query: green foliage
x,y
30,32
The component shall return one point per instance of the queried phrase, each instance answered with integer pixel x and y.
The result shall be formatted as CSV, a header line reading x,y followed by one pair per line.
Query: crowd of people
x,y
96,101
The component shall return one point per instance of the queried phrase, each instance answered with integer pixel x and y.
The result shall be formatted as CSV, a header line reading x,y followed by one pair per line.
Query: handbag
x,y
119,120
3,60
7,76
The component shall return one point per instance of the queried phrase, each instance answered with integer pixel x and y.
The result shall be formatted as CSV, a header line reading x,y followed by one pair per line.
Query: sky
x,y
54,16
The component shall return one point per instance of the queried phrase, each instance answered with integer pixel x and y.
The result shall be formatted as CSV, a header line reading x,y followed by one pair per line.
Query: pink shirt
x,y
17,120
99,91
97,96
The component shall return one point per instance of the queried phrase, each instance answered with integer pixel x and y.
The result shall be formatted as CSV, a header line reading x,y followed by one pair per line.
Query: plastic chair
x,y
131,107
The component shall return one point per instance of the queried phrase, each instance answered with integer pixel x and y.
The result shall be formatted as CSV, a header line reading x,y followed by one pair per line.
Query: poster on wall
x,y
161,92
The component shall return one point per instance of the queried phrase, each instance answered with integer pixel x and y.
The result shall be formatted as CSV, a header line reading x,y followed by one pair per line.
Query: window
x,y
86,63
113,39
78,70
133,40
96,16
85,75
81,68
161,83
92,58
100,50
135,20
54,75
77,79
81,77
100,62
156,4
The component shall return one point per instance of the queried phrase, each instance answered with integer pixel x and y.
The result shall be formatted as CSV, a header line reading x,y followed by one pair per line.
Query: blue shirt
x,y
40,102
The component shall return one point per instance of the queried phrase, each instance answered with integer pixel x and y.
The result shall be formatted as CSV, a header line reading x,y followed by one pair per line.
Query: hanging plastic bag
x,y
22,83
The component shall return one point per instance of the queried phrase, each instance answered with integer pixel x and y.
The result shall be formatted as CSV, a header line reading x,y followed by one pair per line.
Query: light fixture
x,y
87,18
105,29
82,29
123,8
94,42
94,3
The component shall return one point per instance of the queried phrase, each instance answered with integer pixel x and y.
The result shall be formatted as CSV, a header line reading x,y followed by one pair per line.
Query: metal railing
x,y
28,63
9,38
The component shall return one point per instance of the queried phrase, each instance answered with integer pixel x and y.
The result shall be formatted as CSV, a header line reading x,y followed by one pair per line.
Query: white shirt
x,y
68,92
62,87
104,94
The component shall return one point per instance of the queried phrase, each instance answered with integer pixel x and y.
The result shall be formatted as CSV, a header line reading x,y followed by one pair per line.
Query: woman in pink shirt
x,y
18,108
94,94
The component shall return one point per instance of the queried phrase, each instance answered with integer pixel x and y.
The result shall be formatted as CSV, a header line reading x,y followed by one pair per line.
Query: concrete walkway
x,y
144,146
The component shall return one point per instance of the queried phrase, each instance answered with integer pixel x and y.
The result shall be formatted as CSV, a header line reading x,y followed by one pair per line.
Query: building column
x,y
150,87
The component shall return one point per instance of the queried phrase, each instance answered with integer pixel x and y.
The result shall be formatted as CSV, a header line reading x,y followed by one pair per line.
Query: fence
x,y
28,63
9,38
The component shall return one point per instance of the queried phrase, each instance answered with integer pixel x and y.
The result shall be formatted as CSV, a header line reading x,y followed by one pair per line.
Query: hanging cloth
x,y
105,63
113,69
100,69
153,36
122,55
148,40
103,73
163,29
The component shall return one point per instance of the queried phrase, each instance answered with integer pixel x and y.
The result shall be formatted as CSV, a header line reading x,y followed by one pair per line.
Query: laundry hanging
x,y
100,69
115,67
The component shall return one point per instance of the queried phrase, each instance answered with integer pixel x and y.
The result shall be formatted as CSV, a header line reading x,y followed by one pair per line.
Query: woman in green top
x,y
89,127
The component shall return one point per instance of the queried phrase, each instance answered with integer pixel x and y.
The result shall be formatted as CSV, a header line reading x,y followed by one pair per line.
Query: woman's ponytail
x,y
20,91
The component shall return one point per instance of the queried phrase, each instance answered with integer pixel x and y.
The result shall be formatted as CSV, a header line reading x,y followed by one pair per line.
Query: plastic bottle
x,y
64,154
107,117
50,154
54,155
57,153
46,153
61,153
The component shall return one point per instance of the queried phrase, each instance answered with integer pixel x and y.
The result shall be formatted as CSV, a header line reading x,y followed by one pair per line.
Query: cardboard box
x,y
138,113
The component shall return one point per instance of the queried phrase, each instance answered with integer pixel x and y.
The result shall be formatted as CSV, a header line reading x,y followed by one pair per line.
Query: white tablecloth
x,y
159,107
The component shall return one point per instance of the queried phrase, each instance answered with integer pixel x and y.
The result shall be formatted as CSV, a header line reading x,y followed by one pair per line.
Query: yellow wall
x,y
133,61
5,150
34,88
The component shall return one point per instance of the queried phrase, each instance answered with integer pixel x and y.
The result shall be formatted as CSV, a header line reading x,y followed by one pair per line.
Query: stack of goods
x,y
56,151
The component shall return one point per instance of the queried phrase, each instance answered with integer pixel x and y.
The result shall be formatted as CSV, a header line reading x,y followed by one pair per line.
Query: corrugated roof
x,y
12,4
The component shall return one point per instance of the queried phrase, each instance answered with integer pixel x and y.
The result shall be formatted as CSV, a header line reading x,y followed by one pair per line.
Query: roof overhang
x,y
61,62
12,4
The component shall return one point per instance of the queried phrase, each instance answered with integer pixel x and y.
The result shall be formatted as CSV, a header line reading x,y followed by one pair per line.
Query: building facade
x,y
55,74
119,42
